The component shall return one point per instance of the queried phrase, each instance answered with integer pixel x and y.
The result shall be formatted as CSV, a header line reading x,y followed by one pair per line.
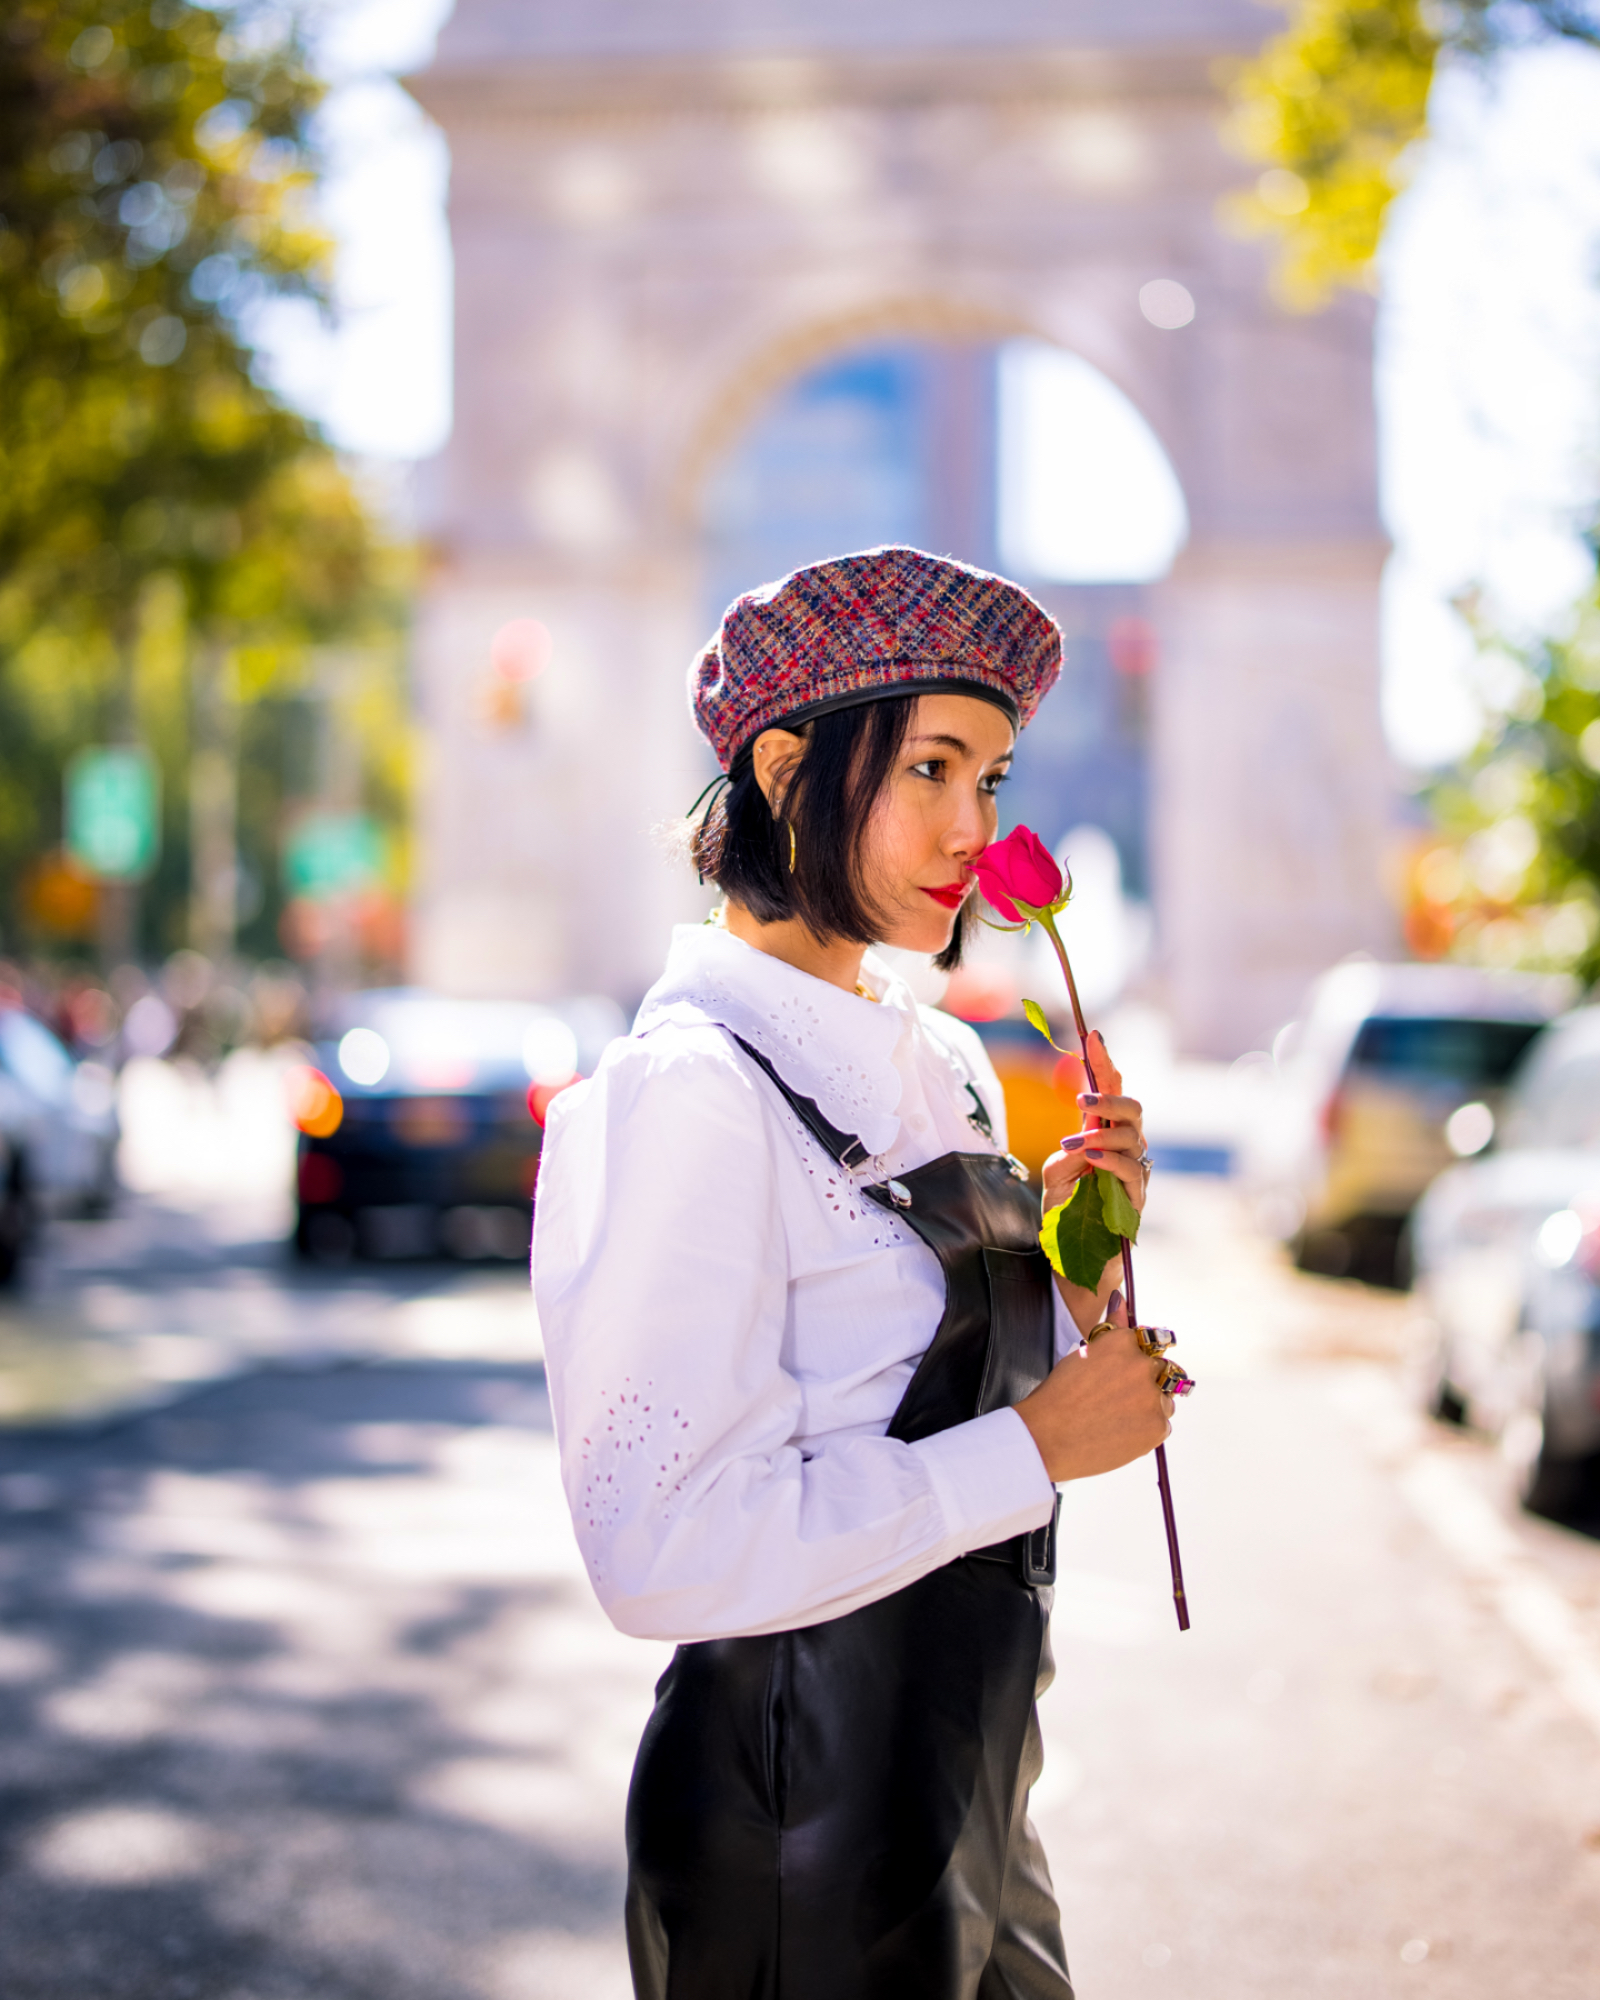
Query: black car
x,y
421,1119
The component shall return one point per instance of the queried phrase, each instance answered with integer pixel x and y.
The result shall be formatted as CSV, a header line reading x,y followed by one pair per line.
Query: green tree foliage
x,y
1330,107
1328,110
1515,876
160,508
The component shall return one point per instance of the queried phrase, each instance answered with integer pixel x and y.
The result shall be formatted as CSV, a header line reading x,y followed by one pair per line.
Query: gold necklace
x,y
866,992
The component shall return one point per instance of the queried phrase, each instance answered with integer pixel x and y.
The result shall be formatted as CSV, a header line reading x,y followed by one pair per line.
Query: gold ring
x,y
1105,1326
1173,1381
1156,1339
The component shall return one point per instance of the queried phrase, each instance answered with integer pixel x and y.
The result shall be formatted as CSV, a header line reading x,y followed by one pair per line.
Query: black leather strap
x,y
1032,1555
844,1147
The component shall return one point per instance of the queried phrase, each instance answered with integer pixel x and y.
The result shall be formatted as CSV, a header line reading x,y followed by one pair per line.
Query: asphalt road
x,y
302,1692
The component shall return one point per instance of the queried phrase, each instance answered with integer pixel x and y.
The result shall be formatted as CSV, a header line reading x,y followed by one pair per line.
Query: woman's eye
x,y
930,767
993,782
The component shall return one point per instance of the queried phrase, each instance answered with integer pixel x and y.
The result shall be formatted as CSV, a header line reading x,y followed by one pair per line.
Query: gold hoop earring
x,y
794,850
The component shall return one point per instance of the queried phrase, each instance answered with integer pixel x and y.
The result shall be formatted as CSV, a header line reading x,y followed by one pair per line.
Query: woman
x,y
814,1384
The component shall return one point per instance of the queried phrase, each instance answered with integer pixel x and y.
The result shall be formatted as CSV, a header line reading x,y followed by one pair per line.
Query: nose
x,y
968,833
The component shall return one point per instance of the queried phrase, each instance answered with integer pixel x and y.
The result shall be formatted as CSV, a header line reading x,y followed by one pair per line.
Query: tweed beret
x,y
857,628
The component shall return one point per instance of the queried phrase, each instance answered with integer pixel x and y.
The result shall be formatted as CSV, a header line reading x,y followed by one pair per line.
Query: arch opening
x,y
1085,492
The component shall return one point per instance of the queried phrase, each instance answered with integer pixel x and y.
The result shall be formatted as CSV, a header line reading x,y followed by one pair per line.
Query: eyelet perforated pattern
x,y
641,1436
841,1194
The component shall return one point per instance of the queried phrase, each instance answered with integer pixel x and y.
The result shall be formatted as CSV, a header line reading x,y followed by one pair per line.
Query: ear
x,y
776,756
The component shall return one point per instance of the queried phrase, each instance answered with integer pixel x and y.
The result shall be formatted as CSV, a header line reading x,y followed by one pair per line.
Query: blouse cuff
x,y
989,1479
1069,1337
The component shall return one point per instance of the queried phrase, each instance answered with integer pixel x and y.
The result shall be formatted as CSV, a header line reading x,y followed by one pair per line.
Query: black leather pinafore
x,y
840,1812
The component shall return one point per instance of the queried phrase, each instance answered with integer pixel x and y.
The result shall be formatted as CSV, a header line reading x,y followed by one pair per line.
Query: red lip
x,y
952,896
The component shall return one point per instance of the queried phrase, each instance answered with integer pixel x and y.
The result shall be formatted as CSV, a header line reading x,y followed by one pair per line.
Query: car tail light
x,y
540,1096
321,1179
315,1106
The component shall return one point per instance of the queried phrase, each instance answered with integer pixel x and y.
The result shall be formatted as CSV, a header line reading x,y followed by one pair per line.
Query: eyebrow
x,y
963,749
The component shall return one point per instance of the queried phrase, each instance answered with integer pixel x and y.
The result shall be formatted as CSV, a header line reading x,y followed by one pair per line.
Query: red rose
x,y
1020,870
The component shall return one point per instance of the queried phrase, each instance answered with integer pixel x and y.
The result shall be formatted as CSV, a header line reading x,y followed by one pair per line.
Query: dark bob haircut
x,y
743,843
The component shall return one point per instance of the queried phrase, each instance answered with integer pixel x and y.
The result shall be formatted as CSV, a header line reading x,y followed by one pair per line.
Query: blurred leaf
x,y
1329,108
157,501
1512,877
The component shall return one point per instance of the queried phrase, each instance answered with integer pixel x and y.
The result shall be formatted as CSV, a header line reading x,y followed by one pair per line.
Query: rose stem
x,y
1169,1519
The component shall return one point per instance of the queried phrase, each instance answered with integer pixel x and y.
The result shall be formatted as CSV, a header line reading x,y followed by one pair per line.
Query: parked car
x,y
1507,1259
58,1121
421,1119
1393,1073
14,1212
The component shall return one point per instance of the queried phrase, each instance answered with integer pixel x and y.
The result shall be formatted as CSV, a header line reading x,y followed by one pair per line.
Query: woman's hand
x,y
1113,1138
1112,1135
1098,1408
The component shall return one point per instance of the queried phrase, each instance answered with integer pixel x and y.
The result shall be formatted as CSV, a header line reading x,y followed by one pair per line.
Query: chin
x,y
926,931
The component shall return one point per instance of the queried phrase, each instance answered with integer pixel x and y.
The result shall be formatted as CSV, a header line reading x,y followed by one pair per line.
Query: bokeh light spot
x,y
1166,303
521,649
364,1056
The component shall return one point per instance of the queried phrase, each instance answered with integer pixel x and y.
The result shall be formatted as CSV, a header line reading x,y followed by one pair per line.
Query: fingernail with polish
x,y
1071,1145
1114,1303
1088,1097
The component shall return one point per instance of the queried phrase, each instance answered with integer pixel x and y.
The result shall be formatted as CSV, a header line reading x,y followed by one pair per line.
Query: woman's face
x,y
935,816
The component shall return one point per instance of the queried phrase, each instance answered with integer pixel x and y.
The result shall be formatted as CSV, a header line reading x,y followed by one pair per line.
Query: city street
x,y
304,1693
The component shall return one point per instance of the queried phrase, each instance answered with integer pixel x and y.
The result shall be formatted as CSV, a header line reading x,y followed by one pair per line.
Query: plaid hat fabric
x,y
859,626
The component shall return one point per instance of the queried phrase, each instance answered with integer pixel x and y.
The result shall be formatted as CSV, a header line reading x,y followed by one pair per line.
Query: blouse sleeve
x,y
660,1270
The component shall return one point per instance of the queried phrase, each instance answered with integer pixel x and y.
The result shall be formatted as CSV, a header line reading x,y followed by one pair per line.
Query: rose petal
x,y
1019,869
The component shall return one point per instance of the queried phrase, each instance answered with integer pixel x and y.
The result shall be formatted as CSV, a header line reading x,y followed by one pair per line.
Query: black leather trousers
x,y
840,1813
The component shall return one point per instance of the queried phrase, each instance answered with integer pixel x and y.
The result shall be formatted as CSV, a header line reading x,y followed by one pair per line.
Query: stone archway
x,y
656,220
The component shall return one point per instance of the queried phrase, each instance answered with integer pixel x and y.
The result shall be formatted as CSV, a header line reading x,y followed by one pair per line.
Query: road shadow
x,y
279,1718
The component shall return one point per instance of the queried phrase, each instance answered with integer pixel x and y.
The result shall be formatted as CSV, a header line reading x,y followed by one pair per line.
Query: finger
x,y
1104,1072
1117,1308
1106,1139
1111,1110
1168,1409
1062,1172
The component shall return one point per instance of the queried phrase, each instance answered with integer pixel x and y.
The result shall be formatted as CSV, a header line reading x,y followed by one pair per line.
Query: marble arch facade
x,y
660,215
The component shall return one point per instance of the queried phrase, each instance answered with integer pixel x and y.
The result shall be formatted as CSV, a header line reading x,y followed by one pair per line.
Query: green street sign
x,y
332,854
113,812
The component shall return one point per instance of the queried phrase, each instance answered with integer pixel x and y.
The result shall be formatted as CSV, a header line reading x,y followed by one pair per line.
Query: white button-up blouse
x,y
729,1326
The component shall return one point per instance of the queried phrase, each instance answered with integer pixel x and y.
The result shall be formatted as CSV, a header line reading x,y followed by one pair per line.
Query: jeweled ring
x,y
1144,1163
1173,1381
1156,1339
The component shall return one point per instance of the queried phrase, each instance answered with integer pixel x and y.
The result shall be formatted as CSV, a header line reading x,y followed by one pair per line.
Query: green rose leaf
x,y
1036,1018
1077,1236
1116,1205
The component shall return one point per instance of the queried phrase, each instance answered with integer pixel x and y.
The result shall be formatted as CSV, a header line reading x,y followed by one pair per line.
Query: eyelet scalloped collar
x,y
831,1046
